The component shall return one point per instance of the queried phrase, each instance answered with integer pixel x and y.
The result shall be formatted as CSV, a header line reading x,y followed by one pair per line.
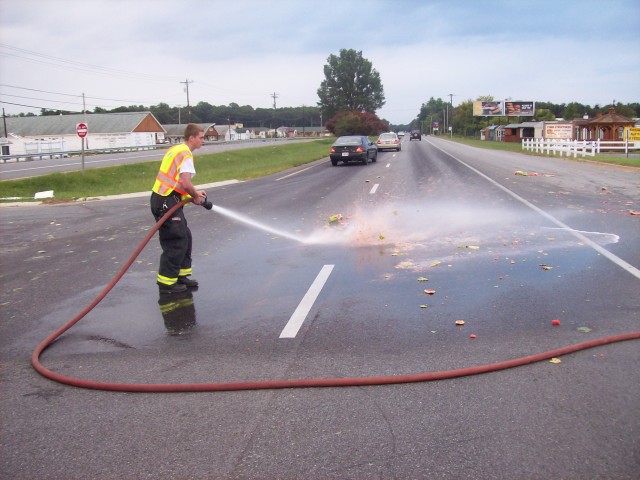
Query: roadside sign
x,y
632,134
82,129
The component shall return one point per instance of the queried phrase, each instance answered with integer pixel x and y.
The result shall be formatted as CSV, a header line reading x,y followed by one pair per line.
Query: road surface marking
x,y
374,188
587,241
388,165
295,322
295,173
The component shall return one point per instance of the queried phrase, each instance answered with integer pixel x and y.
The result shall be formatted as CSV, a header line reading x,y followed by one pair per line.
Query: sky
x,y
141,52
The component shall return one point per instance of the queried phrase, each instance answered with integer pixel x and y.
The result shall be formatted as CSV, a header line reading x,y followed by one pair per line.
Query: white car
x,y
388,141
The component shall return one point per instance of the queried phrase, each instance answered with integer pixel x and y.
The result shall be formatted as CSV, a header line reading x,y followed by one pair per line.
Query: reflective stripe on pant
x,y
175,240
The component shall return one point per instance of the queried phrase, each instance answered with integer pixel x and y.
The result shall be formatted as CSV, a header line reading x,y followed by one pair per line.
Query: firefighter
x,y
173,184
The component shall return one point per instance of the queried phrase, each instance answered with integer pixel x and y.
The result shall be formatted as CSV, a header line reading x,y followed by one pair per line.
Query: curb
x,y
113,197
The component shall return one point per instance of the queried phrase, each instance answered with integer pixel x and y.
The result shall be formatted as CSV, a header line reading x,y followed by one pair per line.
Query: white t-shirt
x,y
188,167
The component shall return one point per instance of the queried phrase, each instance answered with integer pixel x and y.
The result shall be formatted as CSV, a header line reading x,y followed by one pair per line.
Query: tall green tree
x,y
432,111
351,84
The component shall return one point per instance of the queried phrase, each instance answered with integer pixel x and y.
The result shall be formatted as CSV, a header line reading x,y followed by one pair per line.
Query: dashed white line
x,y
388,165
374,189
297,319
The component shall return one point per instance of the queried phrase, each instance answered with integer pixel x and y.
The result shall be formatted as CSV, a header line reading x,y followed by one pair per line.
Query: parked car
x,y
415,135
353,148
389,141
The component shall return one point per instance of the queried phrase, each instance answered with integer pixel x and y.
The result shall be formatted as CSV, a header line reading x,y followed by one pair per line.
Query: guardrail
x,y
576,147
21,157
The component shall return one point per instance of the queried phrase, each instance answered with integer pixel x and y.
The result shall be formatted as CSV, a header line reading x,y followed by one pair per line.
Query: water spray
x,y
241,218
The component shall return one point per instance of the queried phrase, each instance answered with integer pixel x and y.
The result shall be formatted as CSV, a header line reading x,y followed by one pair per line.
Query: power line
x,y
34,106
73,95
74,65
57,101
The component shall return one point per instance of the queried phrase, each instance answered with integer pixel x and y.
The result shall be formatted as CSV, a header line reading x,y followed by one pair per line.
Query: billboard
x,y
488,109
519,109
503,109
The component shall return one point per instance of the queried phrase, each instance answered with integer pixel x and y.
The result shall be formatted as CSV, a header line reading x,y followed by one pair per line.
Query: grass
x,y
615,158
240,164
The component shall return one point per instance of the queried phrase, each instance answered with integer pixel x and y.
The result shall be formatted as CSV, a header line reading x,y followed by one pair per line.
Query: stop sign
x,y
82,129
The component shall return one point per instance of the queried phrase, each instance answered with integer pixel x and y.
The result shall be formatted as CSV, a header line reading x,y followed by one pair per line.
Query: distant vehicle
x,y
388,141
401,134
415,135
353,148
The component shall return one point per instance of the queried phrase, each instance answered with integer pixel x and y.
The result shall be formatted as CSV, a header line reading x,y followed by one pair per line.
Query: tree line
x,y
462,121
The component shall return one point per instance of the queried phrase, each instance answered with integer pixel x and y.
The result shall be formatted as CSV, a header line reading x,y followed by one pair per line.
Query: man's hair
x,y
192,130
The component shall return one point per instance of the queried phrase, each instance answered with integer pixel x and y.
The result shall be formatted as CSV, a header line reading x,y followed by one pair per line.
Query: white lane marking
x,y
295,173
388,165
295,322
374,188
576,233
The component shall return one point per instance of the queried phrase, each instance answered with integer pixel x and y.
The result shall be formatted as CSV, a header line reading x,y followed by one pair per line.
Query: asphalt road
x,y
505,253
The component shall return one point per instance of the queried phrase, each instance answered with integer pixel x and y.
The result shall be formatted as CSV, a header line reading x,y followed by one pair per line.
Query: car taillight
x,y
359,149
395,141
333,150
379,142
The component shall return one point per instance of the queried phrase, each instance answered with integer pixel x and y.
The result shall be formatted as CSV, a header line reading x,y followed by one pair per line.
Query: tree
x,y
543,114
463,121
351,84
356,123
575,110
432,111
163,113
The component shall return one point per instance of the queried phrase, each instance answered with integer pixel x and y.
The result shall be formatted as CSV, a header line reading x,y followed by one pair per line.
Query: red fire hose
x,y
274,384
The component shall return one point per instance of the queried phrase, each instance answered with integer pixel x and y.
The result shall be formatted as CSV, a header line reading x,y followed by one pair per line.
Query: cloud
x,y
244,51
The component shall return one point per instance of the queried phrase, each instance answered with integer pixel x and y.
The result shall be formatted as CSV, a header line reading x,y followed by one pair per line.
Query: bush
x,y
356,123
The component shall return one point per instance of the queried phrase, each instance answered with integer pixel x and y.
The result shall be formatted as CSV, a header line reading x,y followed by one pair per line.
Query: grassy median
x,y
240,164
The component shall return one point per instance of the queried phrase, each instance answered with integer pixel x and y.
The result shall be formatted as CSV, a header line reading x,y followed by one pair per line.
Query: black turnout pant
x,y
175,239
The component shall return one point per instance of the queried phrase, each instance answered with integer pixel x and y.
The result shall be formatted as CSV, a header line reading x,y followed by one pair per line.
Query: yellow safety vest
x,y
168,178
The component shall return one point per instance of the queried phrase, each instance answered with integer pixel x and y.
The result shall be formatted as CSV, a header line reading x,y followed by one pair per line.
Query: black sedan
x,y
353,148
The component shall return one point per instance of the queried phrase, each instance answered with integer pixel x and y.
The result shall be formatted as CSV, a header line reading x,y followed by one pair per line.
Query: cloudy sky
x,y
129,52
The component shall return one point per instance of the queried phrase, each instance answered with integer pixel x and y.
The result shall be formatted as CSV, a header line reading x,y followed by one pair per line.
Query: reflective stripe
x,y
171,306
166,280
185,272
168,178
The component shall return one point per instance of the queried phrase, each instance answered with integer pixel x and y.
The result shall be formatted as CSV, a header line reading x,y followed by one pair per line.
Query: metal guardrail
x,y
22,157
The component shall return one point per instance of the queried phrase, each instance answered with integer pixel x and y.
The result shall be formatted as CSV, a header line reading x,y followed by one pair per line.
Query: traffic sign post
x,y
81,130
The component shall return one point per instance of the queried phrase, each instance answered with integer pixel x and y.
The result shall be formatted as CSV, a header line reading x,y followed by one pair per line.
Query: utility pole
x,y
84,117
451,95
274,95
187,82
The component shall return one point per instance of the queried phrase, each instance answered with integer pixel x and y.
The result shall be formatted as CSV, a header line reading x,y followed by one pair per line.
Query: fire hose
x,y
280,383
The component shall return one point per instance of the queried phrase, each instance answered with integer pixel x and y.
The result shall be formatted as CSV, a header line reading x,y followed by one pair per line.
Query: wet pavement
x,y
431,224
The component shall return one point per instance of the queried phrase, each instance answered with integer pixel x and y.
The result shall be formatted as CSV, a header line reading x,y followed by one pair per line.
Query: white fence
x,y
576,147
